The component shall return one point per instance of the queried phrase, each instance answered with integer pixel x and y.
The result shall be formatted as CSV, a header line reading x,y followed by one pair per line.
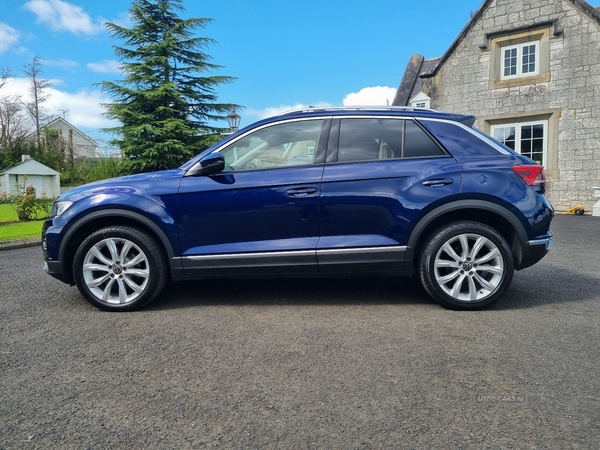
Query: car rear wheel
x,y
119,268
466,265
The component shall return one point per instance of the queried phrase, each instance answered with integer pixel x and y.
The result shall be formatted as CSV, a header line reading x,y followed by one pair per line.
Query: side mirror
x,y
209,165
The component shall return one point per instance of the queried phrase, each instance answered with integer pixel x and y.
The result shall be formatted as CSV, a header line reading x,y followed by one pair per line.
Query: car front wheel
x,y
119,268
466,265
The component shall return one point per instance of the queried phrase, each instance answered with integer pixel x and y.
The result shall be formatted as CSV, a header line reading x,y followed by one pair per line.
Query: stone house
x,y
529,70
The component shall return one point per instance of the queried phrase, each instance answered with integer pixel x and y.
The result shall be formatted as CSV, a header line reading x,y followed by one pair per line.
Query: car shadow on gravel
x,y
537,286
290,291
546,284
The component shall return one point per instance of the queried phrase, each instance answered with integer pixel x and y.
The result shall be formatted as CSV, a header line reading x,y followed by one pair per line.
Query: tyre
x,y
466,265
119,268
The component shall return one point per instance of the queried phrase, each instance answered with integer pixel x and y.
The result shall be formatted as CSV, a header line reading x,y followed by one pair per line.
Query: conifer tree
x,y
167,101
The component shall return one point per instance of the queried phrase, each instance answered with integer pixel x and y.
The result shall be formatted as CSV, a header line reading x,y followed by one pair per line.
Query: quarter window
x,y
282,145
528,138
380,139
520,60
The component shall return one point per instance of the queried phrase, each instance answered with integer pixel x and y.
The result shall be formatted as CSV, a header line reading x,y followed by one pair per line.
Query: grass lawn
x,y
7,213
20,230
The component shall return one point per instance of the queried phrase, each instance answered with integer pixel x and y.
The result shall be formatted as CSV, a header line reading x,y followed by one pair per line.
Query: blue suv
x,y
316,192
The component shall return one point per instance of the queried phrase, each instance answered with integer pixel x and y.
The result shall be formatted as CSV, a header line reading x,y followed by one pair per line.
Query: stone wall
x,y
569,95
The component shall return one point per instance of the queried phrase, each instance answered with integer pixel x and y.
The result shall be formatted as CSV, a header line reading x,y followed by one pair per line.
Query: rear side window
x,y
417,143
381,139
458,140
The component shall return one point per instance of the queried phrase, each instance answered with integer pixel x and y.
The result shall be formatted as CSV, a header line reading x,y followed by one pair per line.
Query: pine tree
x,y
164,104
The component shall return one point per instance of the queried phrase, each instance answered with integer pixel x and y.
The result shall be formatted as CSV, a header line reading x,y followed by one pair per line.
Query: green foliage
x,y
11,155
27,205
7,212
163,104
21,230
85,170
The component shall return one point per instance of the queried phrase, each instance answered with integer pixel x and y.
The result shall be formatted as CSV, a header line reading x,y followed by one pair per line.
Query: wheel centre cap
x,y
467,266
117,270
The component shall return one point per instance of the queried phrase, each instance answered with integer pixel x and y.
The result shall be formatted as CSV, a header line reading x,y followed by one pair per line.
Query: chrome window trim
x,y
267,125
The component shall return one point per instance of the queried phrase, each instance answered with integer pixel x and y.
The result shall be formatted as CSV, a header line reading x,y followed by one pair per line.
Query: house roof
x,y
35,168
418,67
412,81
58,120
581,4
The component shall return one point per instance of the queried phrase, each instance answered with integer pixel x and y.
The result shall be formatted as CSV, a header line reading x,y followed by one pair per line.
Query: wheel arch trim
x,y
462,205
104,213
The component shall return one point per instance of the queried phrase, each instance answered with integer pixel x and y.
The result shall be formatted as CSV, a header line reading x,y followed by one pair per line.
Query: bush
x,y
26,204
84,170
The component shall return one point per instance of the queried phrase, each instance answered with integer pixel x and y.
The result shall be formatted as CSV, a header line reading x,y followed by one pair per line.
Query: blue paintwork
x,y
312,207
152,195
381,198
243,210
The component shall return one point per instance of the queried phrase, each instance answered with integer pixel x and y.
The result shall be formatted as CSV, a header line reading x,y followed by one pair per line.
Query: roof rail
x,y
358,108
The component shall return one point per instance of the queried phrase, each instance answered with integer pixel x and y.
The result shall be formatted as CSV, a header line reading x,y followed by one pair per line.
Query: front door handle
x,y
438,182
301,192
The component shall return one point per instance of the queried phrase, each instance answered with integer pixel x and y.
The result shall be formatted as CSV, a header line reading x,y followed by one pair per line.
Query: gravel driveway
x,y
343,363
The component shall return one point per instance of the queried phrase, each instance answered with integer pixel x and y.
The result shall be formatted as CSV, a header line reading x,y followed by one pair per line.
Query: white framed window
x,y
420,100
527,138
520,60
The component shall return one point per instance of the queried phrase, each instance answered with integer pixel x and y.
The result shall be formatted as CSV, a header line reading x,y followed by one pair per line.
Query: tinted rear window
x,y
457,140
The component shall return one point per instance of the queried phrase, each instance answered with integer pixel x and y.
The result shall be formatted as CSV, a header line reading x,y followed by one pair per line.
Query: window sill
x,y
520,81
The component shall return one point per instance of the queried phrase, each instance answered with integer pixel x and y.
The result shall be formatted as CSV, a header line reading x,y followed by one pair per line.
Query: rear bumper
x,y
535,250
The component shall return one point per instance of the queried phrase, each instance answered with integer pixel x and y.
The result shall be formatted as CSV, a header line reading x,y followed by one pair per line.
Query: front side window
x,y
520,60
527,138
281,145
380,139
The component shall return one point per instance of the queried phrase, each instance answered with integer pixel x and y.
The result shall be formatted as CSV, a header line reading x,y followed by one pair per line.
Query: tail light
x,y
532,175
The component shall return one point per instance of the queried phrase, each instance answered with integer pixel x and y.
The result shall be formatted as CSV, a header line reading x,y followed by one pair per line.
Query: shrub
x,y
27,205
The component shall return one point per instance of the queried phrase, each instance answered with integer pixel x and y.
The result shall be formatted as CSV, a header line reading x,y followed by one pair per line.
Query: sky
x,y
285,54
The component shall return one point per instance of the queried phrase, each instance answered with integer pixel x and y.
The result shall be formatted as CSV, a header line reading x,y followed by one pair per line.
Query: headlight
x,y
59,207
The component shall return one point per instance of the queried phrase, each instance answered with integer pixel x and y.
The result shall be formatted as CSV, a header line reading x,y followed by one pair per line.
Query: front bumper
x,y
55,269
52,265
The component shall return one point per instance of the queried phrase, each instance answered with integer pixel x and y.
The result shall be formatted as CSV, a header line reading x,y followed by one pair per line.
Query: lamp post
x,y
234,121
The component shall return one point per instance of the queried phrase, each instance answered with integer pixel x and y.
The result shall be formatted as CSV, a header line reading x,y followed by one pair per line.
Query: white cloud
x,y
105,66
8,36
371,96
63,16
83,107
61,62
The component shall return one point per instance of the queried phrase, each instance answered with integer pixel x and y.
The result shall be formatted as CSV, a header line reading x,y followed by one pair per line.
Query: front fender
x,y
168,237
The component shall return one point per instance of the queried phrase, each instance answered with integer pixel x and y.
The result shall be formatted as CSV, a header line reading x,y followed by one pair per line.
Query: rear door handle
x,y
301,192
438,182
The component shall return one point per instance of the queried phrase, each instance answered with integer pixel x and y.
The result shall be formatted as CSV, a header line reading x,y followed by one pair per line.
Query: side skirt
x,y
303,263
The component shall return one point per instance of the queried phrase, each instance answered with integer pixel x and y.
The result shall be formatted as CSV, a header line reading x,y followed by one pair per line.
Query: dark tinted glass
x,y
417,143
457,140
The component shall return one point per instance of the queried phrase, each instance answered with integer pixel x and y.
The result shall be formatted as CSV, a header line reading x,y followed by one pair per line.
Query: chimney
x,y
25,158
